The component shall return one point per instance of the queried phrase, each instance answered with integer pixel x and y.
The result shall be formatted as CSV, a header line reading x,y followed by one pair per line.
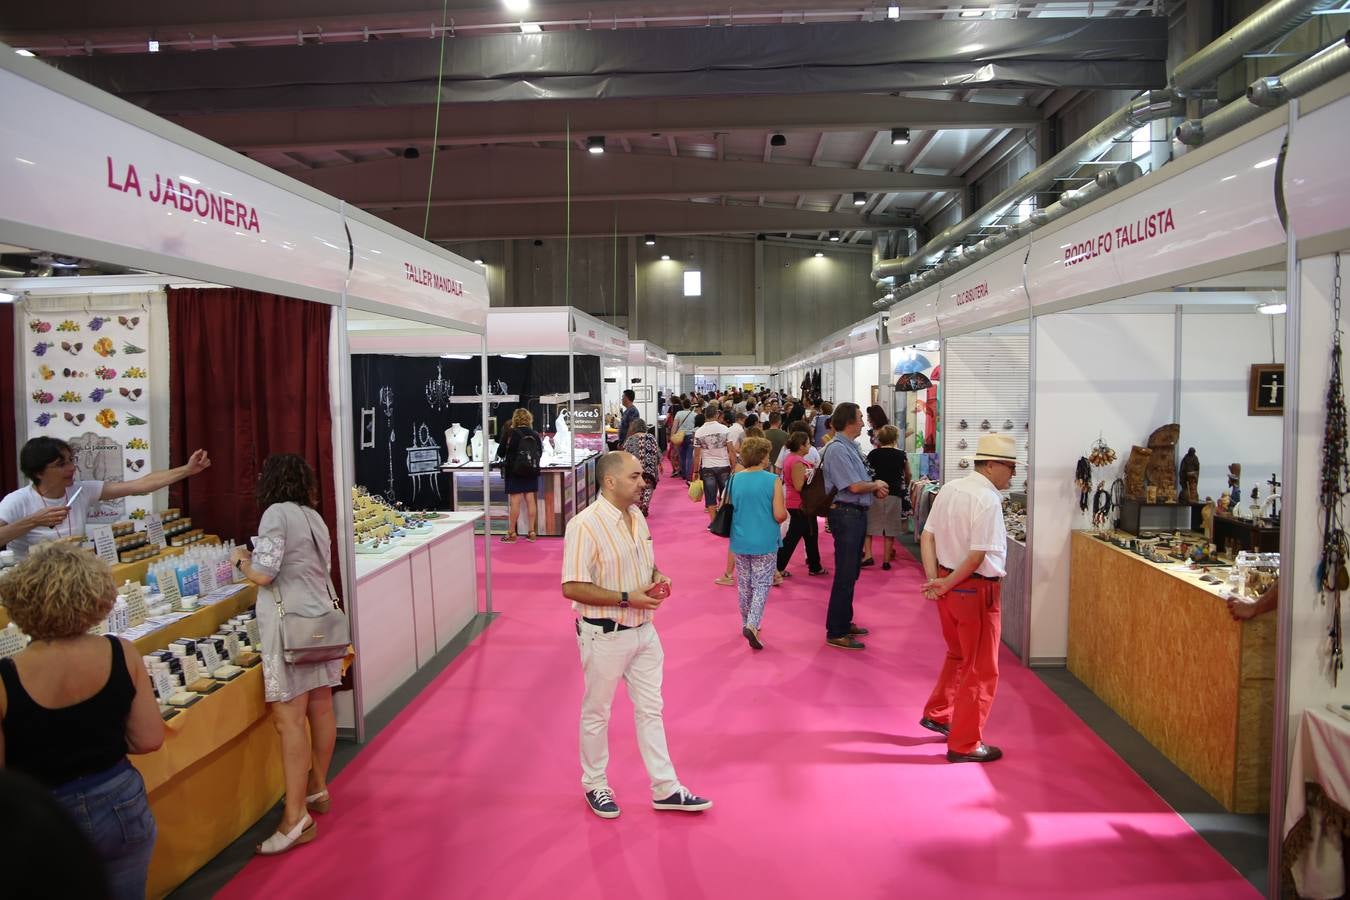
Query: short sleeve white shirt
x,y
966,516
711,439
27,501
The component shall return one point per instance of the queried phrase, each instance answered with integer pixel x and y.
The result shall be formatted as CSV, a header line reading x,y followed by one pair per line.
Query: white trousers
x,y
636,657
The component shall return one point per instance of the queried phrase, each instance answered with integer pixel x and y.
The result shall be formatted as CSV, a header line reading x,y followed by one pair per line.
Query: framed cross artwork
x,y
1265,390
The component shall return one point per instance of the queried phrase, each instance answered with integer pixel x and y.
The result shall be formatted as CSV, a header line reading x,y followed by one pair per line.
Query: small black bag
x,y
525,461
721,521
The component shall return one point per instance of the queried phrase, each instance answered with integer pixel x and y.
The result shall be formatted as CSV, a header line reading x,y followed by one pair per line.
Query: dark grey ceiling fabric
x,y
1100,54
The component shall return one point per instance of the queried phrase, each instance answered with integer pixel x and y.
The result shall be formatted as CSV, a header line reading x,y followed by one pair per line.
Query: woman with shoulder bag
x,y
520,453
74,704
290,563
686,423
756,495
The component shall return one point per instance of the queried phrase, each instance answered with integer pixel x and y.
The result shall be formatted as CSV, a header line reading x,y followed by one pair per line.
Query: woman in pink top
x,y
796,472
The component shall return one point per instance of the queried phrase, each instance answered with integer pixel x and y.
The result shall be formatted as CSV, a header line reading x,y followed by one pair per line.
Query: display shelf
x,y
1161,649
1246,534
1138,516
556,399
491,398
368,564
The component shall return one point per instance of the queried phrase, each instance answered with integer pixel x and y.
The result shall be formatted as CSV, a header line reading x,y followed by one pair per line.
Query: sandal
x,y
532,537
304,832
508,538
318,802
726,580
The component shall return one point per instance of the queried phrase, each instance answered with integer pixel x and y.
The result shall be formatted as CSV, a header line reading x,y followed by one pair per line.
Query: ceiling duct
x,y
1154,105
1267,24
1267,93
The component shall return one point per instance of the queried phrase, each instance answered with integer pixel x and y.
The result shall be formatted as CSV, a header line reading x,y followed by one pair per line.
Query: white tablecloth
x,y
1321,756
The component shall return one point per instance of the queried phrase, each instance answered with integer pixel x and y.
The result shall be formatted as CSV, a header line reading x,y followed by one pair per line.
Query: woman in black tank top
x,y
73,705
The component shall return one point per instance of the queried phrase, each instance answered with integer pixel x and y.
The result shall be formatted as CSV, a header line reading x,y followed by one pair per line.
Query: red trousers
x,y
965,690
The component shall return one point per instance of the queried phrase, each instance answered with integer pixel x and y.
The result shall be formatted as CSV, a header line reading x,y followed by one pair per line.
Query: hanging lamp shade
x,y
937,373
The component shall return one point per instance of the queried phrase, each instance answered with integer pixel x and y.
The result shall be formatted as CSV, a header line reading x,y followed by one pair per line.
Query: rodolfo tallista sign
x,y
1220,208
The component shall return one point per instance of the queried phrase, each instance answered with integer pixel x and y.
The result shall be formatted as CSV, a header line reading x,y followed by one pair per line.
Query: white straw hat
x,y
996,448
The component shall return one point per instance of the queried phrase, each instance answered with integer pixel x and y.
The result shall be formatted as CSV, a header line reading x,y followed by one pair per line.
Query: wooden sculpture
x,y
1135,467
1190,477
1162,463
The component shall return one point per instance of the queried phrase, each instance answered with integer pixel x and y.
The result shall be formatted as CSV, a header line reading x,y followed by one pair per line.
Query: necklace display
x,y
1333,577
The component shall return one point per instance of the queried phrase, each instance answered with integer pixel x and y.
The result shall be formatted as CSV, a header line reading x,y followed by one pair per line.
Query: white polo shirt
x,y
968,515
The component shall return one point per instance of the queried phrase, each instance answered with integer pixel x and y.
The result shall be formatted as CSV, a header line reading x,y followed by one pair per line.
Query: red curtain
x,y
248,378
9,440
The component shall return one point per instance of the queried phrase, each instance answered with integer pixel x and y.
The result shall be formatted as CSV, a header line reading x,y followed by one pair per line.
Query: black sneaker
x,y
684,801
602,803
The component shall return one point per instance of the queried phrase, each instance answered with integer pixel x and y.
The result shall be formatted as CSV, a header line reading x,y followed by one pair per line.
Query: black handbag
x,y
721,521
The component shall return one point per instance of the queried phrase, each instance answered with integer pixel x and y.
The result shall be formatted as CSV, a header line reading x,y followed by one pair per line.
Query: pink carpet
x,y
824,784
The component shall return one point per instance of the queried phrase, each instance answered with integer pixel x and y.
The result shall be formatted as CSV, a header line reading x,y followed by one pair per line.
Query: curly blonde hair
x,y
522,418
58,591
754,451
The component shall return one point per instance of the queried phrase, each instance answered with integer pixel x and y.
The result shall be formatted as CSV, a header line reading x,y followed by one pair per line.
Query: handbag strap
x,y
327,581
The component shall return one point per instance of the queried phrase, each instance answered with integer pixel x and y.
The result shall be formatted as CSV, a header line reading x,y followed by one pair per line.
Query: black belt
x,y
974,575
609,625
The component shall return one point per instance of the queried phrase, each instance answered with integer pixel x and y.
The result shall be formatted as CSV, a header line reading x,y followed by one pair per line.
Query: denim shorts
x,y
715,481
111,808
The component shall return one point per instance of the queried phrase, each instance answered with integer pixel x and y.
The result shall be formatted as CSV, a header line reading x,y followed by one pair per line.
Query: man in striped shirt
x,y
610,576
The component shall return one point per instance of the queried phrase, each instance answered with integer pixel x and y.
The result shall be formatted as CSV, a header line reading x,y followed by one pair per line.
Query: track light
x,y
477,262
899,136
23,52
596,144
665,257
1271,309
650,240
892,12
971,13
152,46
516,6
859,198
834,237
778,140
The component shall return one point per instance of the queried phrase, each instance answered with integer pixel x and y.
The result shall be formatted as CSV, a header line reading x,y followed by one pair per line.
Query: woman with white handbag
x,y
304,638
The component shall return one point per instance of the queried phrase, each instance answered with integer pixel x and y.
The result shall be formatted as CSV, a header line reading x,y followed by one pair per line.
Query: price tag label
x,y
169,589
154,531
105,545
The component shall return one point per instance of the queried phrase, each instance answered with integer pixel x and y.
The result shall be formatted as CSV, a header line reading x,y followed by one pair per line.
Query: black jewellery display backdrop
x,y
400,434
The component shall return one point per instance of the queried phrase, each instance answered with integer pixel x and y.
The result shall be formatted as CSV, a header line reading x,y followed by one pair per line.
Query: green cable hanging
x,y
436,128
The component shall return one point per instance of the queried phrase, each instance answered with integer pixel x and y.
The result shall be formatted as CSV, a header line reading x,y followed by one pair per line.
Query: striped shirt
x,y
599,549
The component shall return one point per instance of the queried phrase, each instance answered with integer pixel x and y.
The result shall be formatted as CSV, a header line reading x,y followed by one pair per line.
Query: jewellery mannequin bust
x,y
456,442
476,446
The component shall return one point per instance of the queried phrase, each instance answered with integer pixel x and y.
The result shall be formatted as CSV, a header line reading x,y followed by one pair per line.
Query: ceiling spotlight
x,y
23,52
778,140
892,12
152,46
834,237
971,13
899,136
665,257
477,262
516,6
411,153
595,144
819,255
650,240
859,198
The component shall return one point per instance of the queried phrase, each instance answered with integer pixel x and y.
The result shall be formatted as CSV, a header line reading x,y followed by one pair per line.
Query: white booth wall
x,y
1119,374
985,375
865,378
843,381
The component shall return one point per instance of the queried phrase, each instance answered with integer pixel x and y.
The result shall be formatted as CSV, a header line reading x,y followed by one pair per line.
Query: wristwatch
x,y
623,599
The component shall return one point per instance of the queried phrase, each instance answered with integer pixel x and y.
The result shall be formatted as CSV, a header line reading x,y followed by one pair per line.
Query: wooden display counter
x,y
565,489
219,770
1160,648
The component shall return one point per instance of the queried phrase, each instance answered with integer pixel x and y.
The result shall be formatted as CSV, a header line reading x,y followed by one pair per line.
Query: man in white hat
x,y
965,553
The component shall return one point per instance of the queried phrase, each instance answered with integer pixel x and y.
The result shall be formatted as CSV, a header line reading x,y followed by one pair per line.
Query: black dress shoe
x,y
845,643
867,562
858,631
981,754
934,725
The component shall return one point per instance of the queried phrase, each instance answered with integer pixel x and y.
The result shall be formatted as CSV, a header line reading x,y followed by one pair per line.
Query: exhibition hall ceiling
x,y
753,118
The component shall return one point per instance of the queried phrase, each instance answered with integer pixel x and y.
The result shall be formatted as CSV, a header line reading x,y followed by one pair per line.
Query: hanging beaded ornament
x,y
1333,577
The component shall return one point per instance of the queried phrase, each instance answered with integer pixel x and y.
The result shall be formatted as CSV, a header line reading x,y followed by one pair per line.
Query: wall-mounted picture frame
x,y
1265,390
492,426
367,428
